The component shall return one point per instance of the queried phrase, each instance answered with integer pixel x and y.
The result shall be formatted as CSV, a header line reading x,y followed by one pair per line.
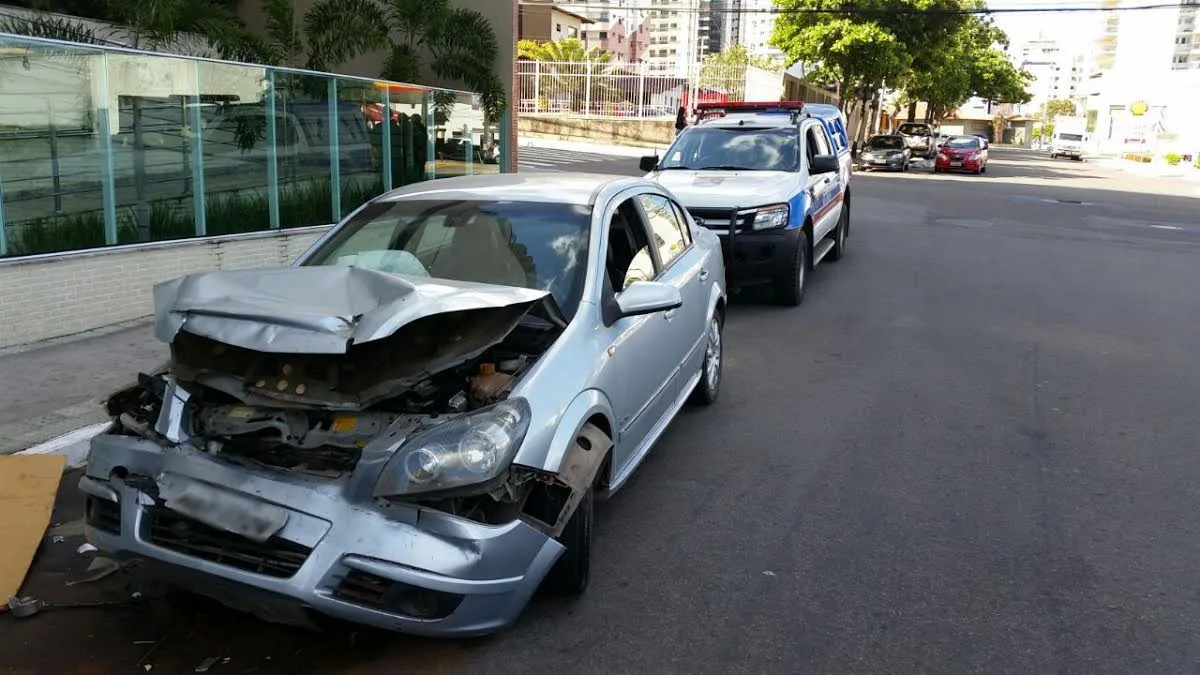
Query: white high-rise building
x,y
678,35
1144,93
1058,73
757,24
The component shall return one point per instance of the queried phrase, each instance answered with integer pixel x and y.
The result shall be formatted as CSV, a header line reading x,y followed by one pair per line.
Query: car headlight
x,y
468,450
770,217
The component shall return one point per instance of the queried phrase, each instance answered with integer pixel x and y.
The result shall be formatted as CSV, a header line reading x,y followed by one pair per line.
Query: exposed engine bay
x,y
312,415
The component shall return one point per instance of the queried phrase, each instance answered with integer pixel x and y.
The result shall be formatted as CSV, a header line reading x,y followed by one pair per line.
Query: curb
x,y
73,445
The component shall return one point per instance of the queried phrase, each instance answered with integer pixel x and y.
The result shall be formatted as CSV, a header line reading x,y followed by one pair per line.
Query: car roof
x,y
563,188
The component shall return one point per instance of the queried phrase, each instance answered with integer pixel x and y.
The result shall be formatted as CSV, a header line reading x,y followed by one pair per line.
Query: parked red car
x,y
962,153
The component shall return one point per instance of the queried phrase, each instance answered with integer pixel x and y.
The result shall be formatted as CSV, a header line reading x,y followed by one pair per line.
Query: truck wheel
x,y
839,237
789,288
571,572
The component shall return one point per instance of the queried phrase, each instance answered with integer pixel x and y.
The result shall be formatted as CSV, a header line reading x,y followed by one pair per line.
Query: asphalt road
x,y
971,449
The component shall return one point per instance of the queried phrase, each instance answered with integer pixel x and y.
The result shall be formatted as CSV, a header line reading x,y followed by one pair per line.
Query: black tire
x,y
789,288
709,387
571,571
839,237
1053,156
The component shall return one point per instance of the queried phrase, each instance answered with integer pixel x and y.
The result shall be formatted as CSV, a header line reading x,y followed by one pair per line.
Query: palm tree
x,y
420,37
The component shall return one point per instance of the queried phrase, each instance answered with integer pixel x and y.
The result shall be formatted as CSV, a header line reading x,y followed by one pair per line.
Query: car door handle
x,y
703,275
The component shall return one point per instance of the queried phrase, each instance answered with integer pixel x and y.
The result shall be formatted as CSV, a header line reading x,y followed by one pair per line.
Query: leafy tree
x,y
859,55
917,46
1058,107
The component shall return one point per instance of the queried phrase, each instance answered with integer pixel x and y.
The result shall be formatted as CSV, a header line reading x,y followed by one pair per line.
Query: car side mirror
x,y
648,297
823,164
649,163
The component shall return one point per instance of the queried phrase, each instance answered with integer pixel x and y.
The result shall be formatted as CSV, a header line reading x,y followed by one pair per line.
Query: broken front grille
x,y
274,558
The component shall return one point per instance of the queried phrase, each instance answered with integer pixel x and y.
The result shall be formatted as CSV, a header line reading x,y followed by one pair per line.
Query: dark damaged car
x,y
409,426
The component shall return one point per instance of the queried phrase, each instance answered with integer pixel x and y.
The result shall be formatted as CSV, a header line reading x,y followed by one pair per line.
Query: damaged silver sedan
x,y
408,427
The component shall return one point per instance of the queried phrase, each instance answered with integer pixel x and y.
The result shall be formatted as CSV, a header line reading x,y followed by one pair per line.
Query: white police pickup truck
x,y
780,172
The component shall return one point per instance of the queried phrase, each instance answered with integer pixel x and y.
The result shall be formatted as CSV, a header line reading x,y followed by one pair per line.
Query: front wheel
x,y
789,288
571,572
706,391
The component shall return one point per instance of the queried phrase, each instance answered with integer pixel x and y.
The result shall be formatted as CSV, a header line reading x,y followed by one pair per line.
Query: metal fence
x,y
636,90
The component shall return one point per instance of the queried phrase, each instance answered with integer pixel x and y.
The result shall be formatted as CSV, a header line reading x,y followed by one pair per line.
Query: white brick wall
x,y
43,297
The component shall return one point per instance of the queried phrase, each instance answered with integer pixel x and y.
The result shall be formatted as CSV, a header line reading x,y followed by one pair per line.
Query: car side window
x,y
683,223
811,146
820,139
627,256
665,227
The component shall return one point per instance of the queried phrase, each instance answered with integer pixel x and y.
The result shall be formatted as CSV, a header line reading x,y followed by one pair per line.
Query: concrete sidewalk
x,y
56,387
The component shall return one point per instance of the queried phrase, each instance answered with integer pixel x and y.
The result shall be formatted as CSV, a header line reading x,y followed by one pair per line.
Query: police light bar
x,y
767,107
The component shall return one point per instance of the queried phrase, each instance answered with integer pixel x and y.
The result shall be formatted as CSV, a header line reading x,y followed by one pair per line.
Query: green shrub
x,y
1172,158
300,204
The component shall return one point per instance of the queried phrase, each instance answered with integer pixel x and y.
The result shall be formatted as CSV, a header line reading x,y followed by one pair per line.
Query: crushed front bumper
x,y
760,257
395,567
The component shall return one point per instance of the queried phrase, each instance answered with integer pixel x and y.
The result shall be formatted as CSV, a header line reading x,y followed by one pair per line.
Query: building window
x,y
603,35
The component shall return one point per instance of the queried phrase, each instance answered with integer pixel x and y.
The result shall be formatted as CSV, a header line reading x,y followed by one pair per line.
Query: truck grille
x,y
274,558
718,219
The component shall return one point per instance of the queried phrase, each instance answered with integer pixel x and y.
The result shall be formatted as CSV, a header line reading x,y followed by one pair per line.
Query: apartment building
x,y
1144,90
756,24
614,37
1058,73
545,22
678,38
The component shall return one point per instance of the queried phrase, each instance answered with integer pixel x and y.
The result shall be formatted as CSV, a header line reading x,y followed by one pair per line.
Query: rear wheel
x,y
839,237
789,288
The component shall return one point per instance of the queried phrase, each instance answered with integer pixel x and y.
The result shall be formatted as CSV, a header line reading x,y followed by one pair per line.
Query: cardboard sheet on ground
x,y
28,485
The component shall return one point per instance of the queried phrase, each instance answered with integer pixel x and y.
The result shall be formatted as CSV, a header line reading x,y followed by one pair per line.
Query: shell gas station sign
x,y
1138,108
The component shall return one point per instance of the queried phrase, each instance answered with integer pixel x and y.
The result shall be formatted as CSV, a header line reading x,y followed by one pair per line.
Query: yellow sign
x,y
1138,108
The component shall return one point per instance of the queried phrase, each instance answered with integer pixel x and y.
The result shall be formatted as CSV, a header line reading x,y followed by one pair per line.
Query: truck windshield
x,y
1071,137
734,148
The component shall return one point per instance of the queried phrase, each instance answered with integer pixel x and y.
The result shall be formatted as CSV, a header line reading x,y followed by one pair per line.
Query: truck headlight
x,y
771,217
467,450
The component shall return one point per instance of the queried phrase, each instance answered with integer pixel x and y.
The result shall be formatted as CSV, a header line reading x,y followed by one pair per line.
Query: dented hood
x,y
314,310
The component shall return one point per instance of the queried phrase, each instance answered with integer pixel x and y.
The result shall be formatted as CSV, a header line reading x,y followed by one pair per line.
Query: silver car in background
x,y
407,428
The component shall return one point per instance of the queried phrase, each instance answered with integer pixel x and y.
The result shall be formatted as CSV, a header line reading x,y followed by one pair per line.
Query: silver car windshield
x,y
734,148
535,245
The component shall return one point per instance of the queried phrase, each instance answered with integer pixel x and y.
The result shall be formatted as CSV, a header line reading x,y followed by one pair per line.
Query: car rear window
x,y
915,129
